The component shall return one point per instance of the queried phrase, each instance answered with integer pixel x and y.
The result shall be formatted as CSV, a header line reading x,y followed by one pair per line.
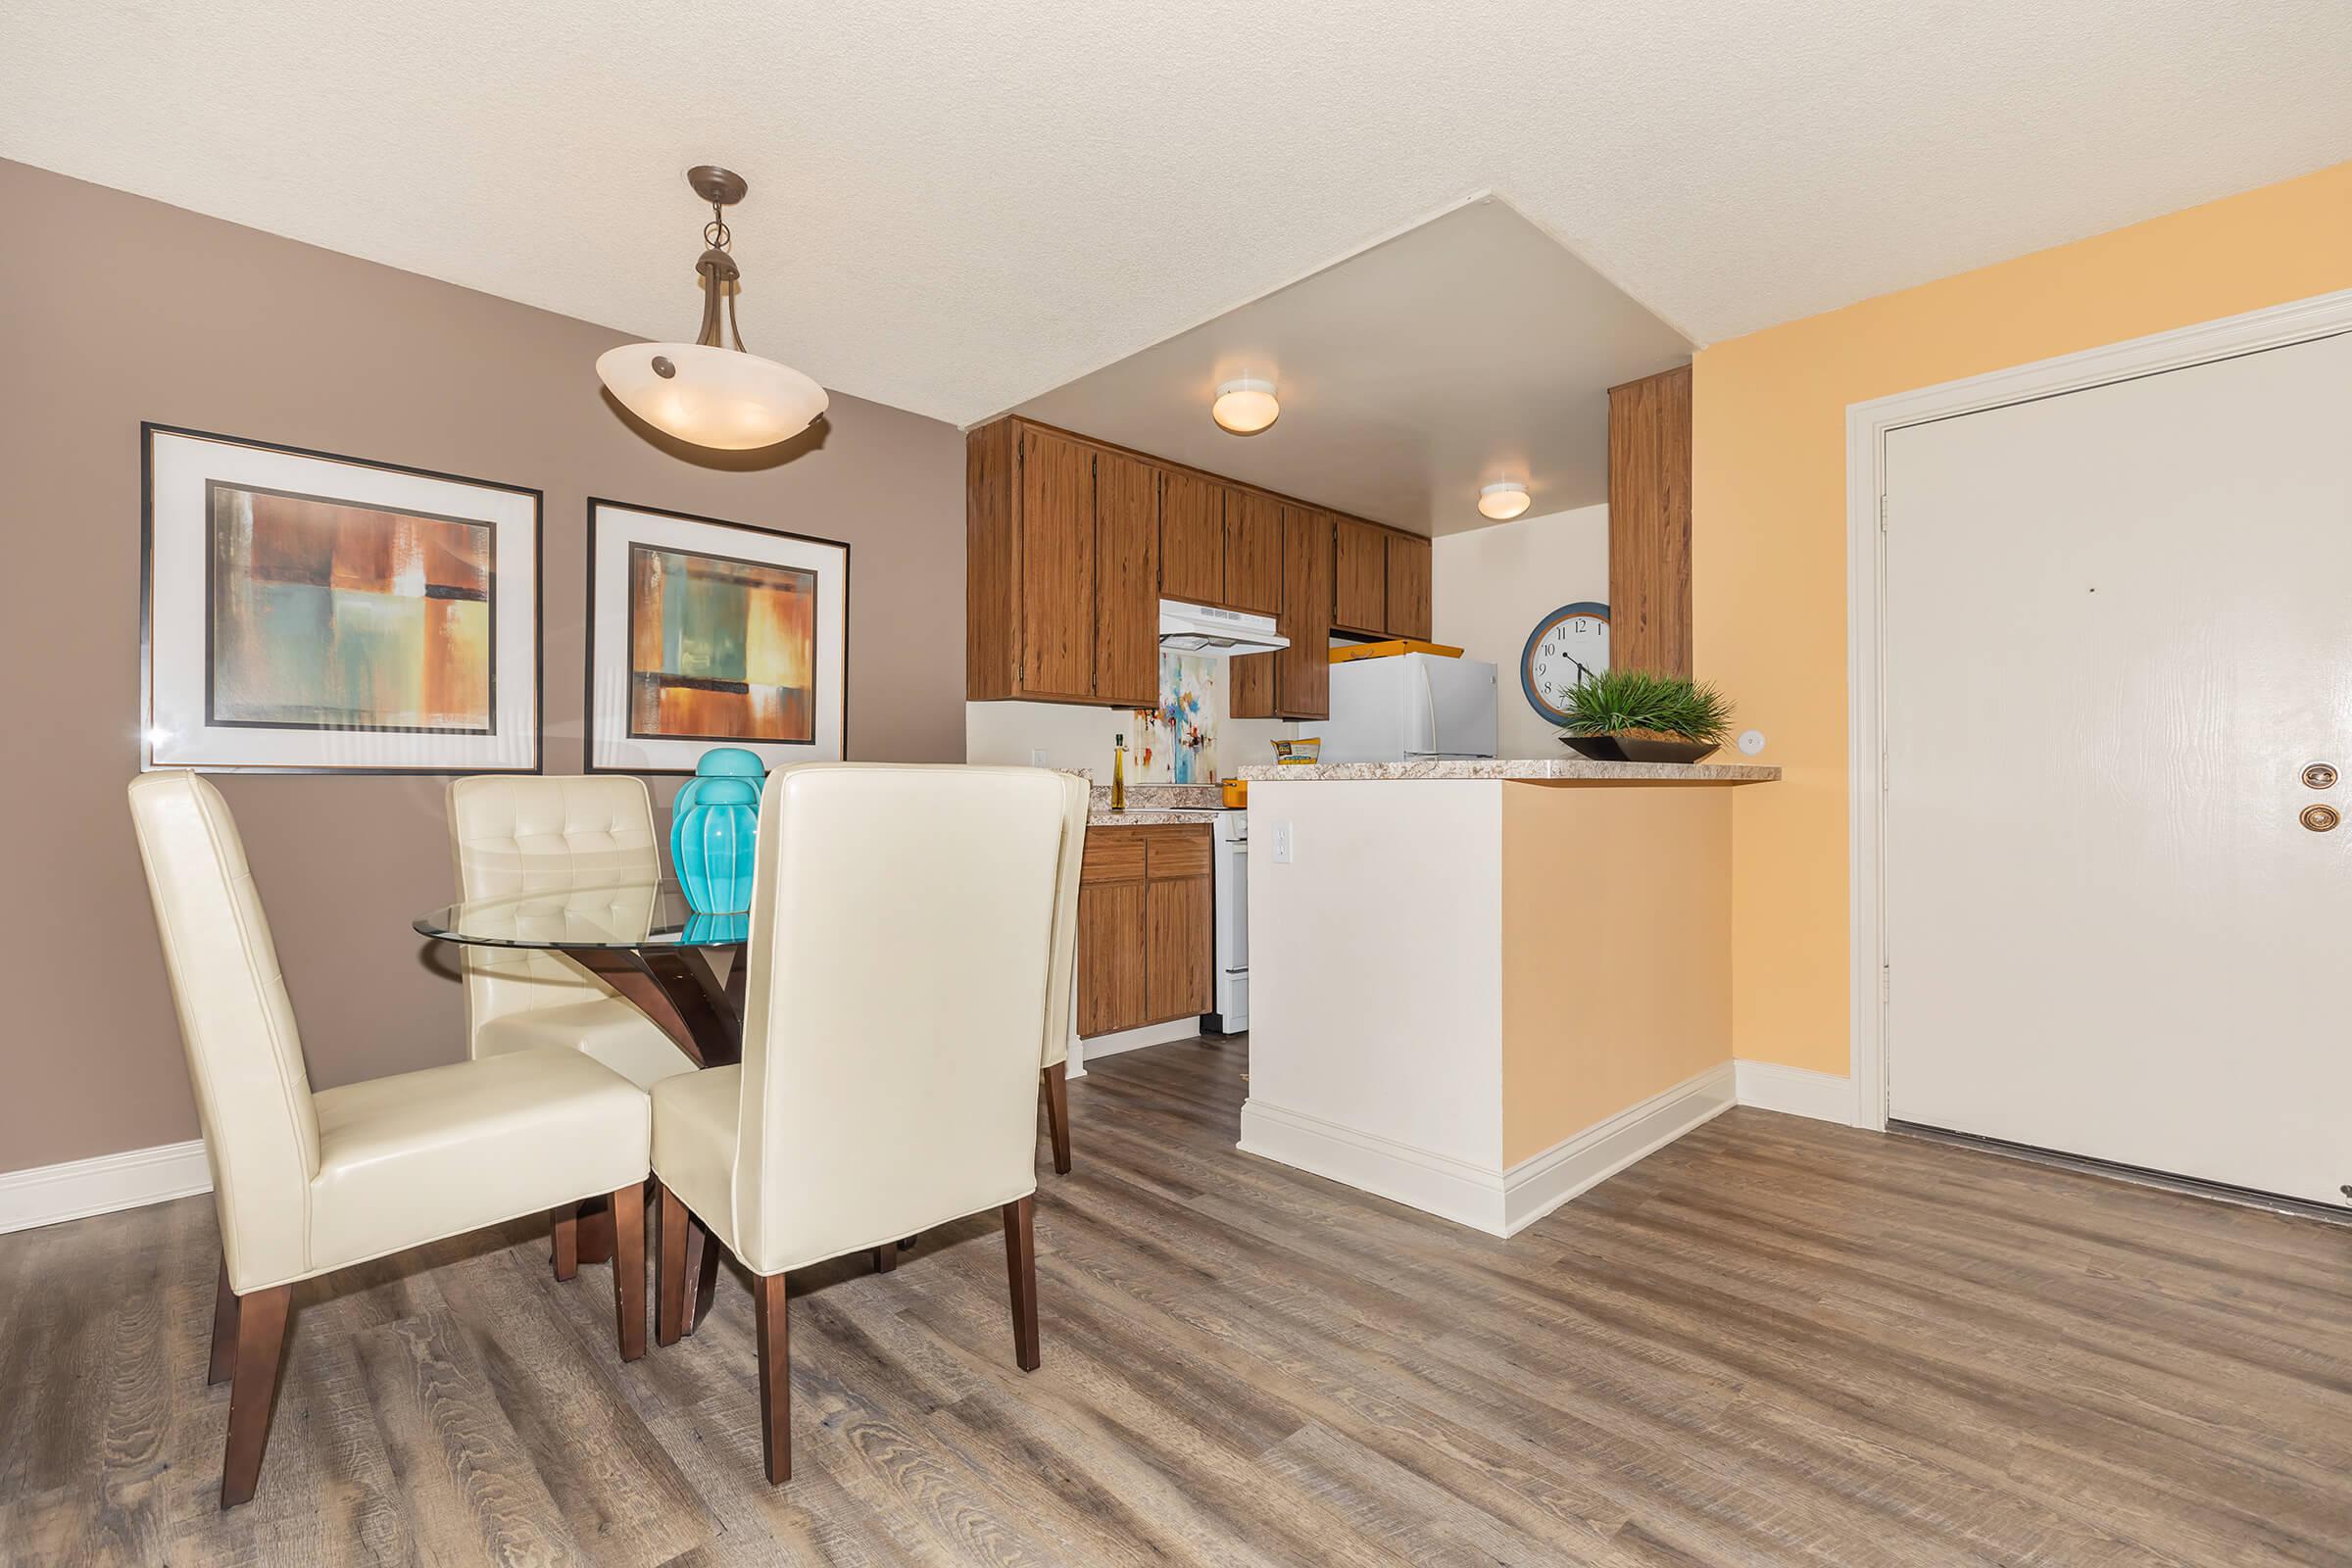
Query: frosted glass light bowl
x,y
714,396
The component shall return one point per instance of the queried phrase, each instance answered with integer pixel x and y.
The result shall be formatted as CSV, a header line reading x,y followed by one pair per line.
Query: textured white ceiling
x,y
956,207
1471,349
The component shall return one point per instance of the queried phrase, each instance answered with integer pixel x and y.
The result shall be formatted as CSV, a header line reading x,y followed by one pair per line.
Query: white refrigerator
x,y
1406,708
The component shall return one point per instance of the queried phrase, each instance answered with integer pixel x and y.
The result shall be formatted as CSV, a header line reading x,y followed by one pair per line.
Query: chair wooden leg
x,y
629,1268
776,1376
1020,1265
705,1276
596,1239
564,1224
1054,1085
669,1272
225,1329
261,1317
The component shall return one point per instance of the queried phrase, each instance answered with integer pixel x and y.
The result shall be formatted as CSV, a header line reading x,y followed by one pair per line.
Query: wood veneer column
x,y
1649,523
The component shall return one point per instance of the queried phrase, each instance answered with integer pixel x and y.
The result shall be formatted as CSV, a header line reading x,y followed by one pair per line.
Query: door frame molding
x,y
1866,426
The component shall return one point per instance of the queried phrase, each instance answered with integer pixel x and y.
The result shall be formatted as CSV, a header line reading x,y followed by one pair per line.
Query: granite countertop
x,y
1154,805
1567,769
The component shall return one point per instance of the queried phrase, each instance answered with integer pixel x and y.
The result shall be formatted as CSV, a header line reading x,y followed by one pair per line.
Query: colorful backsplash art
x,y
720,648
323,615
1177,742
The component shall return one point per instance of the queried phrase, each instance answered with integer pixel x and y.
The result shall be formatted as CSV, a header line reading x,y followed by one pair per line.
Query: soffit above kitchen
x,y
960,207
1470,349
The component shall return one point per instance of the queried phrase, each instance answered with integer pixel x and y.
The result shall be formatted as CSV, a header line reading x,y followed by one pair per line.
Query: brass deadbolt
x,y
2319,775
2319,818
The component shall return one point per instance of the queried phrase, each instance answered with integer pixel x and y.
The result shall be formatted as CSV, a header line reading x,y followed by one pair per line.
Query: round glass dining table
x,y
640,938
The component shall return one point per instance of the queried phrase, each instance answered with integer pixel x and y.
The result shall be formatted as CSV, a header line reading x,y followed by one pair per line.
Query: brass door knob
x,y
2318,818
2319,775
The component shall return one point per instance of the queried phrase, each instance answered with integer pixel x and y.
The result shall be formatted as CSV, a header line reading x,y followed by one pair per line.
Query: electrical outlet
x,y
1281,844
1037,756
1751,741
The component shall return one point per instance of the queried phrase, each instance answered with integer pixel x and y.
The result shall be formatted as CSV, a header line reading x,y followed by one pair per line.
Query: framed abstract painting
x,y
304,612
705,633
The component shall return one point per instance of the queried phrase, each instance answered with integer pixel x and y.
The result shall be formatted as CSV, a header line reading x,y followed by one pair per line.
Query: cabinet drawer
x,y
1178,853
1112,855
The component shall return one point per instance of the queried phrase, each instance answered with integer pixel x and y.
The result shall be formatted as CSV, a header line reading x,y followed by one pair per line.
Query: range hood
x,y
1207,632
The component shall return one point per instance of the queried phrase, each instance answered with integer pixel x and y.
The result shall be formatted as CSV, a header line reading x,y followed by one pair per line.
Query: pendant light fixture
x,y
703,392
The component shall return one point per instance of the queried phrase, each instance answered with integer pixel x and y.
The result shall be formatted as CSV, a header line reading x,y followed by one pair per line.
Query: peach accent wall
x,y
1616,951
1768,585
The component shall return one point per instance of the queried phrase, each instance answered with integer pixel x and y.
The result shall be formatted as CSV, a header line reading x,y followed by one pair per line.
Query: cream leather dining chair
x,y
904,951
305,1183
514,835
1062,997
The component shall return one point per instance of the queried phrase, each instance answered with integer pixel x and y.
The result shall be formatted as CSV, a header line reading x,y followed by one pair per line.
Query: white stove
x,y
1231,952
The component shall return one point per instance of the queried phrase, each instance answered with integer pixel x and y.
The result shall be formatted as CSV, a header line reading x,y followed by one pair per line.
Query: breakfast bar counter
x,y
1481,987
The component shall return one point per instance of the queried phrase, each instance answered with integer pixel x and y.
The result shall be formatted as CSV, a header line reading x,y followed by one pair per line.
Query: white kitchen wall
x,y
1072,736
1489,586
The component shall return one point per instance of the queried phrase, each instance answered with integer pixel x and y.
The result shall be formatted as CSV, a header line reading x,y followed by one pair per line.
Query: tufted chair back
x,y
516,835
253,1093
903,950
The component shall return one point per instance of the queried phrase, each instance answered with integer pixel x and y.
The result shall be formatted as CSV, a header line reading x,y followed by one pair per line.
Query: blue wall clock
x,y
1567,646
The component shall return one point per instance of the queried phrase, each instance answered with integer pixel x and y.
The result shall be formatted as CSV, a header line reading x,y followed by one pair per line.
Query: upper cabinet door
x,y
1192,539
1359,600
1252,553
1127,581
1409,587
1058,566
1302,670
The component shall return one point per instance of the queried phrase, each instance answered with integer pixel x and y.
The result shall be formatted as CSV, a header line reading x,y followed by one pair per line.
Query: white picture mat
x,y
179,468
615,529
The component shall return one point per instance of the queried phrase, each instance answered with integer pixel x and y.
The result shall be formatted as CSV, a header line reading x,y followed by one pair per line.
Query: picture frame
x,y
306,611
705,632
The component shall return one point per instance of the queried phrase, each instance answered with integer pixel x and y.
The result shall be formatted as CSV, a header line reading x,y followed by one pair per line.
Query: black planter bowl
x,y
1637,747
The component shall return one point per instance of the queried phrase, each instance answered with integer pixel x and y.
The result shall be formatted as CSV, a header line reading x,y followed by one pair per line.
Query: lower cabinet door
x,y
1179,918
1111,958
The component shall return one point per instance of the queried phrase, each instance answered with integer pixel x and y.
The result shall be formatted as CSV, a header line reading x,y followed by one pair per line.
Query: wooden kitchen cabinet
x,y
1359,598
1409,593
1061,570
1071,543
1146,908
1252,552
1126,611
1296,682
1192,539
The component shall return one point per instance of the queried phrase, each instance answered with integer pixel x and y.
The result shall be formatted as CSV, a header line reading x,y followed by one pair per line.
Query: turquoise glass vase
x,y
715,830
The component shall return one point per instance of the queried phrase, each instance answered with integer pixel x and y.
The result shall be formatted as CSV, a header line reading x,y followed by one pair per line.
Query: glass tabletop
x,y
620,914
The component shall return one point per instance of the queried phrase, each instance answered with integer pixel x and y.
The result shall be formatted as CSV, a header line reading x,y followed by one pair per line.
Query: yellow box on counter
x,y
1391,649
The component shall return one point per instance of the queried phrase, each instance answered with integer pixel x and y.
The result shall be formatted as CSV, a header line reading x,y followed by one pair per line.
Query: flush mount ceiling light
x,y
1245,406
1503,500
701,392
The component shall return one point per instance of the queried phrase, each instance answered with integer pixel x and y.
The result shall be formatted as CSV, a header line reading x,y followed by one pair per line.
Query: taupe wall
x,y
113,309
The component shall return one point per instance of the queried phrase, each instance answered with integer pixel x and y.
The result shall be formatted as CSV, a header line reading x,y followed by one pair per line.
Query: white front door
x,y
2118,628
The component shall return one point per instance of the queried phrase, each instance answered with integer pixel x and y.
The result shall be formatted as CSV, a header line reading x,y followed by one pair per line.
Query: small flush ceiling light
x,y
1245,406
703,392
1502,501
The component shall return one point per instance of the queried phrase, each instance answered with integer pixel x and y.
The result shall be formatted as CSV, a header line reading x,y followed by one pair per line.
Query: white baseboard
x,y
1542,1183
1436,1184
1796,1091
1499,1203
1083,1051
50,1195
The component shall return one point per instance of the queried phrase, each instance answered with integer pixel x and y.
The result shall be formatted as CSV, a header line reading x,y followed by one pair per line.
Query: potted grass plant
x,y
1635,715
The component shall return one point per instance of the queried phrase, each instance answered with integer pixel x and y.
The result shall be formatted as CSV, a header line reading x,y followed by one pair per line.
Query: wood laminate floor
x,y
1775,1341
